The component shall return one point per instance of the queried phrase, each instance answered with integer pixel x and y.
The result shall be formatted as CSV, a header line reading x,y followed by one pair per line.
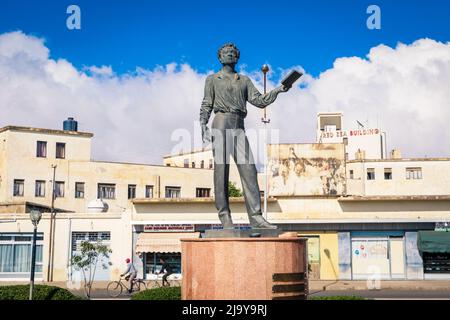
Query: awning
x,y
162,242
433,241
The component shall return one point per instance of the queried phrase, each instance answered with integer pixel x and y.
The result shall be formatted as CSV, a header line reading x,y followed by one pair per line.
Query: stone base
x,y
236,233
244,269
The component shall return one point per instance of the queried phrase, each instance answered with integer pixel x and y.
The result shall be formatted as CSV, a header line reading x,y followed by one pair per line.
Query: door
x,y
102,268
370,258
397,255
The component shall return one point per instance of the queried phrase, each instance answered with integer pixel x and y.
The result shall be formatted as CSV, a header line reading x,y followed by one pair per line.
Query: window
x,y
79,190
186,163
202,164
60,150
351,174
149,191
193,164
106,191
41,149
261,193
173,192
210,163
203,192
153,264
371,174
19,186
387,174
59,189
39,188
15,254
131,191
413,173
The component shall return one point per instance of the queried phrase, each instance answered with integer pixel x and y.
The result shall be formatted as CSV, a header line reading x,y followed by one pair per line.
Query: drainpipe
x,y
51,233
158,186
69,252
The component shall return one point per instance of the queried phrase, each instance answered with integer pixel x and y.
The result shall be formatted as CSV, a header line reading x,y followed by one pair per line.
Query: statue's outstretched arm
x,y
262,100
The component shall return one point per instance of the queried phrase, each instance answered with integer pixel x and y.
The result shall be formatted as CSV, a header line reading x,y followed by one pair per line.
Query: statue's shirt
x,y
223,94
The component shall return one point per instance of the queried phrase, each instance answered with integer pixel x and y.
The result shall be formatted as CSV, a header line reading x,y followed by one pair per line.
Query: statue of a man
x,y
226,93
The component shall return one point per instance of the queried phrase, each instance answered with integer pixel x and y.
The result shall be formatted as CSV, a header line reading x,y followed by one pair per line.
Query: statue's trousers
x,y
229,139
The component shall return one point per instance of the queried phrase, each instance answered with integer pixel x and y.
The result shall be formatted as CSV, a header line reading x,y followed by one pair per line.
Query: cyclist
x,y
165,267
130,273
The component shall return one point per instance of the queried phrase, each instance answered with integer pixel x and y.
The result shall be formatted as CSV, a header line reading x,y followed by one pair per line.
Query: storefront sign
x,y
169,228
442,226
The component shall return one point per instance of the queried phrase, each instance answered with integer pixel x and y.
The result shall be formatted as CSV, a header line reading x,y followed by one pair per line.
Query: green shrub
x,y
165,293
336,298
40,292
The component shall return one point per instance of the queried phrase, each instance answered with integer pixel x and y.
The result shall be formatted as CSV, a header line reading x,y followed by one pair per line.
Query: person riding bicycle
x,y
130,274
165,267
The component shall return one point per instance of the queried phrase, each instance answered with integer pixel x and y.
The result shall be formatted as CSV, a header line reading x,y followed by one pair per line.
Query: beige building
x,y
30,156
400,177
362,217
203,159
370,141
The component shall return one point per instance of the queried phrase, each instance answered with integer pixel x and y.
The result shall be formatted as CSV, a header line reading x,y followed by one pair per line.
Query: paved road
x,y
389,294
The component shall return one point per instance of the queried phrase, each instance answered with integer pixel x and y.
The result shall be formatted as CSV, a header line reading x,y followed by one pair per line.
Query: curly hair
x,y
227,45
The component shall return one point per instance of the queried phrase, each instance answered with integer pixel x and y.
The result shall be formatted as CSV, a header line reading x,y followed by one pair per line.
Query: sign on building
x,y
169,228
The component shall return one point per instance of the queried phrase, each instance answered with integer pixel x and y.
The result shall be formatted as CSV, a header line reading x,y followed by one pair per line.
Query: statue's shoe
x,y
226,221
258,222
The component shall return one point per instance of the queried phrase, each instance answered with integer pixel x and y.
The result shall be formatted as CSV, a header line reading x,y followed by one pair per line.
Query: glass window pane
x,y
22,257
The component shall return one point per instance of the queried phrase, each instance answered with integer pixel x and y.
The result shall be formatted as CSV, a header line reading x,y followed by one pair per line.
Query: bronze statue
x,y
226,93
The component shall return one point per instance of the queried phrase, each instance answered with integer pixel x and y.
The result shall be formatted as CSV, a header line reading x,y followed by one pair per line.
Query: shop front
x,y
154,242
378,254
434,247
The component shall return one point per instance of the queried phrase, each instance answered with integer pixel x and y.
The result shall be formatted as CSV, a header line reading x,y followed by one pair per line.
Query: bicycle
x,y
115,288
174,280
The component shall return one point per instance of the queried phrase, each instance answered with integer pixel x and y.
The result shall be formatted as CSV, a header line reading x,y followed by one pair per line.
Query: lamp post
x,y
35,216
265,121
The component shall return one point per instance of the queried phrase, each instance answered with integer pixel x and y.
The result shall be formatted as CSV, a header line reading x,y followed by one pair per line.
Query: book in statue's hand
x,y
289,80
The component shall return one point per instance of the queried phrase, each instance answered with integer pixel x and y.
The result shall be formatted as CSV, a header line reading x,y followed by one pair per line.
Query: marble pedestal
x,y
244,268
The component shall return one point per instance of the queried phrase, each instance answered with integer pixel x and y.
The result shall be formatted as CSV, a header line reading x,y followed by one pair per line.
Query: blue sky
x,y
144,33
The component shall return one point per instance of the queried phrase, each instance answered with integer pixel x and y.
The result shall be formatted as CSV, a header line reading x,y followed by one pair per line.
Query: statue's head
x,y
228,54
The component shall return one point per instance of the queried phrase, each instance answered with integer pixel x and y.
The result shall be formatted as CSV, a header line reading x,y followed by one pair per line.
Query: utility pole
x,y
265,121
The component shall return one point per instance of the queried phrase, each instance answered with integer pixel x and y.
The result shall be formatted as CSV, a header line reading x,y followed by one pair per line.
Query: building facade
x,y
364,218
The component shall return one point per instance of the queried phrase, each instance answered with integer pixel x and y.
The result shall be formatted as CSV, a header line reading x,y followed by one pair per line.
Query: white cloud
x,y
101,71
134,115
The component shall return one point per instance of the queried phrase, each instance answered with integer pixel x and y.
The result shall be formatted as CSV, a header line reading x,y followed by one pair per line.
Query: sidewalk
x,y
314,285
407,285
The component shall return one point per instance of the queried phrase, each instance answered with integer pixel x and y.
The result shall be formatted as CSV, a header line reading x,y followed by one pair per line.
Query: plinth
x,y
244,268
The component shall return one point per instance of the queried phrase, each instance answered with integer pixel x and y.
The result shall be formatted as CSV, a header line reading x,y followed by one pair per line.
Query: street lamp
x,y
265,120
35,216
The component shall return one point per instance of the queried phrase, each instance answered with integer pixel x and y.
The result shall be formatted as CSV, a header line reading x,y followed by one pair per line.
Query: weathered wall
x,y
306,169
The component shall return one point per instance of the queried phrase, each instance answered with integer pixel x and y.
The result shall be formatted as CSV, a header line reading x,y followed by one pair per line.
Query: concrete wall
x,y
118,225
435,178
306,169
19,161
3,172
